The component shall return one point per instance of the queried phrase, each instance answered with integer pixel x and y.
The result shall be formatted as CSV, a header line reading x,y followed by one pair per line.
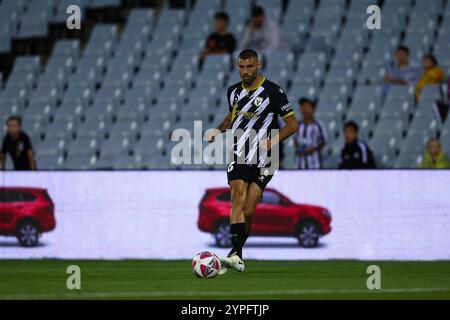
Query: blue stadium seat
x,y
102,3
82,146
371,75
79,162
335,91
407,161
393,128
115,146
92,128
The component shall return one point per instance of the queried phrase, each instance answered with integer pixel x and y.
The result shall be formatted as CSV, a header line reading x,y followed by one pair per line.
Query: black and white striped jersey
x,y
307,136
253,114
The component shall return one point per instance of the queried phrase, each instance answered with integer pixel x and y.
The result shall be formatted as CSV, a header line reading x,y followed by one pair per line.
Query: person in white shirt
x,y
262,34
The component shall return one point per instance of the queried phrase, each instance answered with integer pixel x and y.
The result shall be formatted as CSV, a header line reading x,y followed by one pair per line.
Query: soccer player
x,y
254,103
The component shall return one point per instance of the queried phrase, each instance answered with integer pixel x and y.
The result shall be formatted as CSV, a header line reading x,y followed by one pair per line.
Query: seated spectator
x,y
310,138
17,143
355,154
220,41
261,34
432,73
403,71
434,157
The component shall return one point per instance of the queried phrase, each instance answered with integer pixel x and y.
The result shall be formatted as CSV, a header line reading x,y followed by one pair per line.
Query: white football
x,y
206,265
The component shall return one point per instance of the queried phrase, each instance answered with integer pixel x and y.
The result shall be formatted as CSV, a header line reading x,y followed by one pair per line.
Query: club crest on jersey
x,y
258,101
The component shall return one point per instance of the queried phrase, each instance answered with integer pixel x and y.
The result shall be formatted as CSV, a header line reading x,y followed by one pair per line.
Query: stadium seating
x,y
114,102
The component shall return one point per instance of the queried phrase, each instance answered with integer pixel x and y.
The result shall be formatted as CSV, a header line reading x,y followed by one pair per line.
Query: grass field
x,y
154,279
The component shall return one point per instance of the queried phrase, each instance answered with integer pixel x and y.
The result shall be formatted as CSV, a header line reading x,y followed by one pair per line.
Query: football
x,y
206,265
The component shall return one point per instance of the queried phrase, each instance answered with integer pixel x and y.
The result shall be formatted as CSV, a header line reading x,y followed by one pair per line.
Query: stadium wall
x,y
390,214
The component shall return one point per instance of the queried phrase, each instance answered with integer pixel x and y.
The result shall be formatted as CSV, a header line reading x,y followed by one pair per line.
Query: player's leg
x,y
254,194
237,226
237,218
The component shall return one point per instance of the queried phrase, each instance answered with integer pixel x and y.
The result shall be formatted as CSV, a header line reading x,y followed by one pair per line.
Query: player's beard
x,y
248,82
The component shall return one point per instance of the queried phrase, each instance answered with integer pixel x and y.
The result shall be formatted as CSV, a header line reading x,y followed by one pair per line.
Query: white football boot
x,y
232,262
223,269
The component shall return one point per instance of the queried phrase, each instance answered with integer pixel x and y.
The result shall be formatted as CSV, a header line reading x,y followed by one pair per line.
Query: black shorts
x,y
248,173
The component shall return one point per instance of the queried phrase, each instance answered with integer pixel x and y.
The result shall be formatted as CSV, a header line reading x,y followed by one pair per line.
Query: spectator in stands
x,y
434,157
18,145
310,138
355,154
432,73
262,34
403,71
221,40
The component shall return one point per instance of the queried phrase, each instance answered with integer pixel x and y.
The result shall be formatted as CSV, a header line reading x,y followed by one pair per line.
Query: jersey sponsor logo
x,y
258,101
248,115
286,107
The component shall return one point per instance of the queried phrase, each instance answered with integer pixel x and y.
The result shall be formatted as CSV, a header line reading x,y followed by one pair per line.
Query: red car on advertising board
x,y
275,215
26,213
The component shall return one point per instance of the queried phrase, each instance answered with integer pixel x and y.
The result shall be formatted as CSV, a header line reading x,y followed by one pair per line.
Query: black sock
x,y
237,232
248,228
244,239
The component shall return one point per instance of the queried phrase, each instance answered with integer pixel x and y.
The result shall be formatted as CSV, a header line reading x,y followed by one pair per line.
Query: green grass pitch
x,y
156,279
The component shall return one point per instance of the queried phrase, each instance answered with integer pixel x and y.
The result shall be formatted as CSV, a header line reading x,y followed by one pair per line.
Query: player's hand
x,y
265,144
211,135
310,151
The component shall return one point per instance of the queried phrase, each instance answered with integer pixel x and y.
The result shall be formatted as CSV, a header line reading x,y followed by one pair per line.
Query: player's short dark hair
x,y
222,16
247,54
431,57
14,118
351,124
403,48
257,11
304,100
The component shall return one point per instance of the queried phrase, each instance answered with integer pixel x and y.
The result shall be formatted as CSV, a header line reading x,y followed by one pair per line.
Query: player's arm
x,y
3,154
31,159
284,109
222,127
319,147
289,129
225,124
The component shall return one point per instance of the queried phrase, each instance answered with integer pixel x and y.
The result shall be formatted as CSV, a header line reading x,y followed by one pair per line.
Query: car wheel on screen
x,y
222,235
27,234
308,234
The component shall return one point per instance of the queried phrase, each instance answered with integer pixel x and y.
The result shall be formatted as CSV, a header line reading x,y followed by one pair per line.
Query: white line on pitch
x,y
131,294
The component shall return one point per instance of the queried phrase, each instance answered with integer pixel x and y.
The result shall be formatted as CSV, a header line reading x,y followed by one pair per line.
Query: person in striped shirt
x,y
310,138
